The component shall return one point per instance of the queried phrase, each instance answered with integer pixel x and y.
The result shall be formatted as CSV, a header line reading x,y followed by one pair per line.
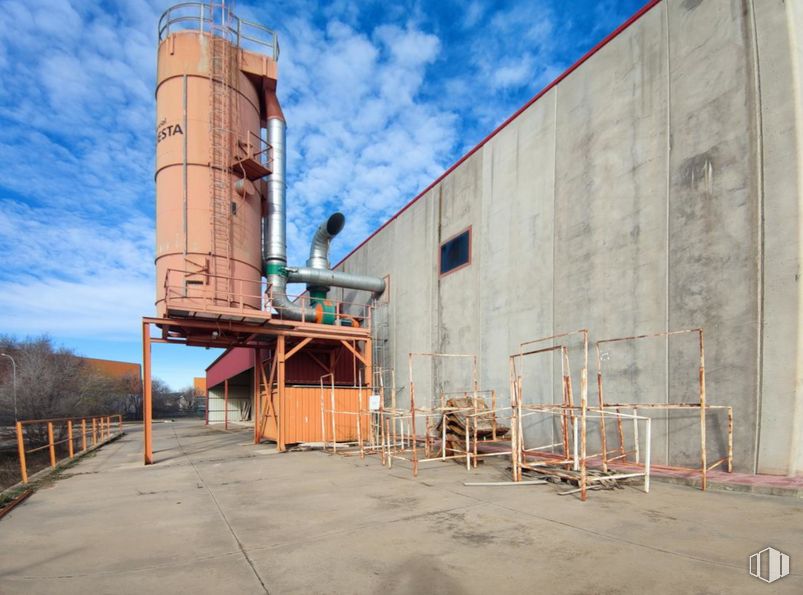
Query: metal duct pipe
x,y
316,275
274,238
316,278
274,242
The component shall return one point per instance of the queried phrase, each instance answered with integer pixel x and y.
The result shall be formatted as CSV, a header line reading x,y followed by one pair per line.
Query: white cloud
x,y
514,74
380,99
70,276
77,117
472,15
360,136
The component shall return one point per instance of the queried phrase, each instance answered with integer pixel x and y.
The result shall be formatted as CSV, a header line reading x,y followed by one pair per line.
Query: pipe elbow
x,y
319,248
286,308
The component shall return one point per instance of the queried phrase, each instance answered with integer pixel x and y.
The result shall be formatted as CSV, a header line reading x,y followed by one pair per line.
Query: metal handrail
x,y
101,430
202,18
208,296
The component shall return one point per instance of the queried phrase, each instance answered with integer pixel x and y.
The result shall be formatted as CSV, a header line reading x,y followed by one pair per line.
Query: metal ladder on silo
x,y
223,119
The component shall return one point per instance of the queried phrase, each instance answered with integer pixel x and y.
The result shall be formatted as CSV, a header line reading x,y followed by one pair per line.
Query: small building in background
x,y
115,369
199,395
127,377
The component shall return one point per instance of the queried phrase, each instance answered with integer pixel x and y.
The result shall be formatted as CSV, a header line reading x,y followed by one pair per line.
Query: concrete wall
x,y
656,187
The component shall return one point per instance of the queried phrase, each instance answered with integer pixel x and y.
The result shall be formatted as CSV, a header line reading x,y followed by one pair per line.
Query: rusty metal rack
x,y
571,452
417,412
566,410
472,414
700,406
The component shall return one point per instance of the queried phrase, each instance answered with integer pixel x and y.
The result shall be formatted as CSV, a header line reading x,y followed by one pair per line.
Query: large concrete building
x,y
656,185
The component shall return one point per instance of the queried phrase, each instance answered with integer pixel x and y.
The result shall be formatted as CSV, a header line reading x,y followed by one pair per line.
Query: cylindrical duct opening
x,y
335,223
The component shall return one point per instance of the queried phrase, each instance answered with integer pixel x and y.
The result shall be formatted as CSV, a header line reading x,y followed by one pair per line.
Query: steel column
x,y
147,396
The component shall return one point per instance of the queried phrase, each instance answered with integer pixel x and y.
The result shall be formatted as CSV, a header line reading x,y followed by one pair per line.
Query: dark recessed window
x,y
456,252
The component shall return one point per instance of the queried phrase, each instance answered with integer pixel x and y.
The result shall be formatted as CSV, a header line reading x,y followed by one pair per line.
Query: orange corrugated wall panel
x,y
302,417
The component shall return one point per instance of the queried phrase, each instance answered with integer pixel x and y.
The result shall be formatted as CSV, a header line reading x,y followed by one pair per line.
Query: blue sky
x,y
380,98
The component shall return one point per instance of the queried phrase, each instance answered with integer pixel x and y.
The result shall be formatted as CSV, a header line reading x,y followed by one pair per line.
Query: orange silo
x,y
213,75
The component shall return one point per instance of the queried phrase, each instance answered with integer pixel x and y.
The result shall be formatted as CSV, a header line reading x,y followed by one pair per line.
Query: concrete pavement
x,y
217,514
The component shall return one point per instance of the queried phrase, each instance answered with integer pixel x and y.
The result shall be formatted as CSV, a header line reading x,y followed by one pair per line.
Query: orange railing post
x,y
21,449
101,432
52,446
69,438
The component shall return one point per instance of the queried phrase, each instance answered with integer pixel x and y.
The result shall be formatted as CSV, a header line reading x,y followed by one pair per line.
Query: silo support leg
x,y
147,401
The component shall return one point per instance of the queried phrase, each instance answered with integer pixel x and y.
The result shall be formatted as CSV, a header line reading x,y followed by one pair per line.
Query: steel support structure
x,y
220,332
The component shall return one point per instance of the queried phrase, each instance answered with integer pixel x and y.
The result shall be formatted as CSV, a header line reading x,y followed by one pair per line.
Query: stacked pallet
x,y
467,414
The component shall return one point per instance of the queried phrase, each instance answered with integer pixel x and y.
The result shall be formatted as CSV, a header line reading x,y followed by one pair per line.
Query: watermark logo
x,y
769,565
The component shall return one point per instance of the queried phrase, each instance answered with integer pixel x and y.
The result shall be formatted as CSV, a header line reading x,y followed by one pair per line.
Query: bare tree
x,y
54,382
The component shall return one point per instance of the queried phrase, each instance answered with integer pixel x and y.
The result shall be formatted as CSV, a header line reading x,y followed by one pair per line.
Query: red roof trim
x,y
234,361
218,358
615,33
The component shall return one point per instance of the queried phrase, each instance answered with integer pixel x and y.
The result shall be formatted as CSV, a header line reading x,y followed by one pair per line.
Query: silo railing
x,y
217,19
195,291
